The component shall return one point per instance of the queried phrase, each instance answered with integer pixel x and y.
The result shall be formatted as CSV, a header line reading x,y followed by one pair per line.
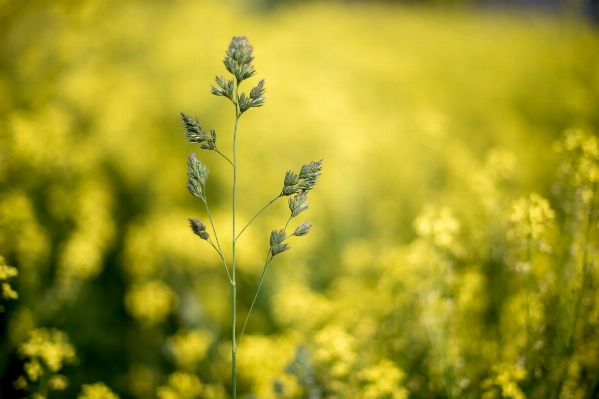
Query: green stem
x,y
233,281
287,224
221,256
224,156
529,330
219,250
256,215
255,296
43,387
585,254
569,344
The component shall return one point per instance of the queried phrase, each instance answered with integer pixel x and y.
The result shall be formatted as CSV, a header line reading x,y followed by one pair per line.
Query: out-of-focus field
x,y
454,247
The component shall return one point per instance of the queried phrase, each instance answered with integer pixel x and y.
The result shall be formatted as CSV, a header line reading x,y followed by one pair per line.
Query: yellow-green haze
x,y
454,246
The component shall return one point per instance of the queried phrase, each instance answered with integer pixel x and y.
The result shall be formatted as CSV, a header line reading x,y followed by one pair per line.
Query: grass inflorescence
x,y
238,61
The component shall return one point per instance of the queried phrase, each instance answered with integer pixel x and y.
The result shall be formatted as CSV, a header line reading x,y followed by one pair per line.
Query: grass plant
x,y
435,271
238,62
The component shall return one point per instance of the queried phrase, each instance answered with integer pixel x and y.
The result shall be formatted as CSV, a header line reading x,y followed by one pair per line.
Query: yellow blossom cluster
x,y
150,302
506,379
336,351
189,347
438,225
180,386
530,216
49,347
383,381
6,273
97,390
582,148
81,255
262,360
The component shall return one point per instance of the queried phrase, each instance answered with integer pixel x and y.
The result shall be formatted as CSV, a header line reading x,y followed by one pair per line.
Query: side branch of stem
x,y
224,156
256,215
219,250
269,259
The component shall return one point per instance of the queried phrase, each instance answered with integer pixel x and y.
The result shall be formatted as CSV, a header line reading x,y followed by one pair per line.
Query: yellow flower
x,y
530,216
6,273
438,225
180,386
383,381
150,302
50,346
58,382
189,347
99,390
33,370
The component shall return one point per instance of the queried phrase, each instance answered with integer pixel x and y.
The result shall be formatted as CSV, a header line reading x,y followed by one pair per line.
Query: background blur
x,y
455,223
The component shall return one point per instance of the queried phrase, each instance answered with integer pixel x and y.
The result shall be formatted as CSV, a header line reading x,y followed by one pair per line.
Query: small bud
x,y
198,228
302,229
58,382
197,174
298,204
20,383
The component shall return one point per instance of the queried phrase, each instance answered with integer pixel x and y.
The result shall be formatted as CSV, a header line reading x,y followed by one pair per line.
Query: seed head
x,y
298,204
210,143
198,228
308,175
302,229
290,179
225,87
311,170
193,130
276,242
277,237
194,133
238,59
278,248
197,173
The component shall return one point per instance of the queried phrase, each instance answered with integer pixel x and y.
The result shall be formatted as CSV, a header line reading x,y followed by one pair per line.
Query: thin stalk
x,y
569,345
221,256
585,254
224,156
219,250
529,330
256,215
437,346
255,296
43,386
593,388
233,281
288,220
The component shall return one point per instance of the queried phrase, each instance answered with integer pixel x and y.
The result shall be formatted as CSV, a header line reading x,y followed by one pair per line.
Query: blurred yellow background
x,y
415,280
